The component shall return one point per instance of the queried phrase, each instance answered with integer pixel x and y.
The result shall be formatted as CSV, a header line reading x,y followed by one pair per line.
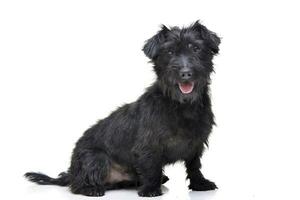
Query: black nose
x,y
185,74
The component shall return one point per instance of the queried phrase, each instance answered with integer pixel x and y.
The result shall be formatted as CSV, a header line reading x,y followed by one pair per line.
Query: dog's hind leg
x,y
130,183
88,170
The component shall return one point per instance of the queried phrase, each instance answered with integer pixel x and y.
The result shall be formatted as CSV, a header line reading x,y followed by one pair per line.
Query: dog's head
x,y
183,59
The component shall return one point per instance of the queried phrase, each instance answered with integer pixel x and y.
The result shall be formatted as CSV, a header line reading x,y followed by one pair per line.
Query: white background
x,y
66,64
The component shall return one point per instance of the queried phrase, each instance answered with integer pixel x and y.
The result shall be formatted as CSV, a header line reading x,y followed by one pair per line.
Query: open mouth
x,y
186,87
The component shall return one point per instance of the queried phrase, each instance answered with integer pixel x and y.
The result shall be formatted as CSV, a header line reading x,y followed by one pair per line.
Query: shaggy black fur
x,y
171,121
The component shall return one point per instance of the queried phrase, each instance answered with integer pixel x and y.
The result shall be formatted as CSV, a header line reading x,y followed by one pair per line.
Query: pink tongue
x,y
186,88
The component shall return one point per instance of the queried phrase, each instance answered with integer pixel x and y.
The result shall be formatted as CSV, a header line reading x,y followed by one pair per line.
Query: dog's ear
x,y
153,44
210,37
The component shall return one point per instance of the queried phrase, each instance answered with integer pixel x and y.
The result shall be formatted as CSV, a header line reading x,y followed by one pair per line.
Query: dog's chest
x,y
179,147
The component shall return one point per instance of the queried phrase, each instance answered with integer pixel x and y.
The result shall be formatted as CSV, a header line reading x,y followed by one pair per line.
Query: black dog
x,y
171,121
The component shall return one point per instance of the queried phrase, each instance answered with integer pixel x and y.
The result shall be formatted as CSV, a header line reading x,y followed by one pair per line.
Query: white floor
x,y
175,188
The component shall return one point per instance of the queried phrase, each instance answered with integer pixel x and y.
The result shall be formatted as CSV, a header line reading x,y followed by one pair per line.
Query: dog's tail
x,y
63,179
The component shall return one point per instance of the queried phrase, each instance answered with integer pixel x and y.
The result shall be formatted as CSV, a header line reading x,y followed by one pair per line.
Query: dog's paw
x,y
203,185
91,191
145,192
164,179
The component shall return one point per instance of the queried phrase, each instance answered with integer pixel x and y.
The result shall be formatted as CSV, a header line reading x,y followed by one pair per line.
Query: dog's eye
x,y
193,47
170,52
196,49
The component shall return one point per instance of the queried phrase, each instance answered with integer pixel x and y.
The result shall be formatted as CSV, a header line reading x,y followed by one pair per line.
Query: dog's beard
x,y
183,92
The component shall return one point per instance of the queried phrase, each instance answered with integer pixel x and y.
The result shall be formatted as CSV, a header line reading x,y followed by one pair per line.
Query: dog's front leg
x,y
197,180
149,168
